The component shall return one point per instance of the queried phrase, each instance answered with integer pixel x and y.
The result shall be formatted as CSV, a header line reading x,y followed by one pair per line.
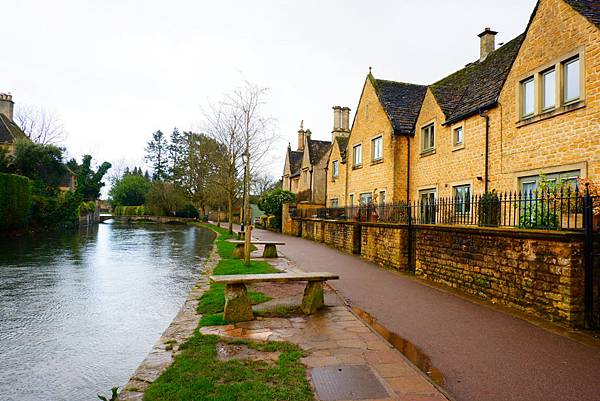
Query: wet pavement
x,y
483,353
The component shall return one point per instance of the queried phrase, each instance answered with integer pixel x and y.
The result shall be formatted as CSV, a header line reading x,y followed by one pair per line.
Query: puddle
x,y
226,352
408,349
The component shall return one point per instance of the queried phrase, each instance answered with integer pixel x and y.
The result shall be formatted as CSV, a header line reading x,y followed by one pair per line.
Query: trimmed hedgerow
x,y
15,200
129,211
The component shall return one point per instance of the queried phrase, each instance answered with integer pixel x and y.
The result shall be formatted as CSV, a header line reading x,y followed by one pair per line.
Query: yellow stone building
x,y
529,106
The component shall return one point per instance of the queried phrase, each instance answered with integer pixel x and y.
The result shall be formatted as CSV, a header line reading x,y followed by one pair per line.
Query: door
x,y
427,200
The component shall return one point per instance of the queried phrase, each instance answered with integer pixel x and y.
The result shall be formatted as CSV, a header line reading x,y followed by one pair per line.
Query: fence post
x,y
588,221
409,242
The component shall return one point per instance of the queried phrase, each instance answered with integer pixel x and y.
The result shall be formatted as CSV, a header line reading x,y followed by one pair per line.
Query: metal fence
x,y
543,209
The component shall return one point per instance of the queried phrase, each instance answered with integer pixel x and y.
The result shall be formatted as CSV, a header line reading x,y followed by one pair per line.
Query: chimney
x,y
301,133
487,43
337,118
346,119
341,126
6,105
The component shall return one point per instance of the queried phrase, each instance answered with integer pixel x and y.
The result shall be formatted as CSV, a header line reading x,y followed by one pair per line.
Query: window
x,y
335,169
427,206
458,136
351,200
558,180
428,138
571,79
382,198
335,203
462,198
357,152
366,198
377,146
527,90
548,89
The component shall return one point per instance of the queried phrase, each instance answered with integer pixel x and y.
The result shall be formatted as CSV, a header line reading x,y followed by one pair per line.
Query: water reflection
x,y
79,311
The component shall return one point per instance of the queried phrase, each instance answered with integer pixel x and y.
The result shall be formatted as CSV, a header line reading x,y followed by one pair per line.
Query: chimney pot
x,y
301,134
487,43
6,105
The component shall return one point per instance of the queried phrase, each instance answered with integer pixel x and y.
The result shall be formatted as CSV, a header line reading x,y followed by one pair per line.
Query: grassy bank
x,y
197,373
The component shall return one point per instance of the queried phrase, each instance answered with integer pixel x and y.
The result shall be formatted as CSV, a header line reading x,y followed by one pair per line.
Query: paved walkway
x,y
346,359
484,354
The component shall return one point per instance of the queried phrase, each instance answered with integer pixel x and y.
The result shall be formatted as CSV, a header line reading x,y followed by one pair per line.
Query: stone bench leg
x,y
270,251
238,251
238,307
313,298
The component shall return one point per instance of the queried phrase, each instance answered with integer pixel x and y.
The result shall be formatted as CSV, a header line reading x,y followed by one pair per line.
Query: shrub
x,y
130,190
272,222
188,211
489,209
15,200
129,211
272,203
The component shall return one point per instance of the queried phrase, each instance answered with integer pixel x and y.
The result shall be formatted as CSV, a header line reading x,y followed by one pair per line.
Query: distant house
x,y
11,133
305,169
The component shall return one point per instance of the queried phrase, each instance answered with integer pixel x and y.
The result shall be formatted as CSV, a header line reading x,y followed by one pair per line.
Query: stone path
x,y
335,337
483,353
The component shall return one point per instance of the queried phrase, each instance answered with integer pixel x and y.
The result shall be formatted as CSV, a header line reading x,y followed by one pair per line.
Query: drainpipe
x,y
487,148
312,196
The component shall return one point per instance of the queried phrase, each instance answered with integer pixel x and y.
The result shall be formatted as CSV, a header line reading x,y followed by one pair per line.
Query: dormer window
x,y
335,169
428,138
357,155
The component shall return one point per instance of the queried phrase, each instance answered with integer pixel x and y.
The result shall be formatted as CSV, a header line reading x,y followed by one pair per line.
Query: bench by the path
x,y
269,252
238,306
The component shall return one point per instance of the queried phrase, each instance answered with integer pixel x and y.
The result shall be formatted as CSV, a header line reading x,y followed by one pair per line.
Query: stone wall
x,y
385,244
342,235
537,272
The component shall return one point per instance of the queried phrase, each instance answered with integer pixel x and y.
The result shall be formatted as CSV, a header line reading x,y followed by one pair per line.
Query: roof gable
x,y
295,160
317,149
342,144
478,85
401,102
9,131
590,9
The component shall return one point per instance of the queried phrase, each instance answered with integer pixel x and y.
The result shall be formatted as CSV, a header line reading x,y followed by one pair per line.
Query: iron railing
x,y
543,209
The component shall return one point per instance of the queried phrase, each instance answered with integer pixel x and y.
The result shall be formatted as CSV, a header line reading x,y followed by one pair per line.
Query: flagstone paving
x,y
334,336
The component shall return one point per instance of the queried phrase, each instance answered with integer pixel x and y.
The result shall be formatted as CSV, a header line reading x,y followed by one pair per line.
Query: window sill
x,y
458,147
428,153
378,161
356,167
551,113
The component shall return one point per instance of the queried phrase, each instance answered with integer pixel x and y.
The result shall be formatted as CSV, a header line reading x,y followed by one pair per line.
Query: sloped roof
x,y
342,142
295,157
590,9
9,131
478,85
401,101
317,149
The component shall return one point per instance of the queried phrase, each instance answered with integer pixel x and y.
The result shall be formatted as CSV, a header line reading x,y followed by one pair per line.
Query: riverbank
x,y
282,355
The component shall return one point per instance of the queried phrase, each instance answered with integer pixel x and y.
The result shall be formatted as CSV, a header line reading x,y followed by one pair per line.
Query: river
x,y
80,310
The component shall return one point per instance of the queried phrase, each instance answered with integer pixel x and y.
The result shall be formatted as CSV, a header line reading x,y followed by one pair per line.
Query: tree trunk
x,y
230,211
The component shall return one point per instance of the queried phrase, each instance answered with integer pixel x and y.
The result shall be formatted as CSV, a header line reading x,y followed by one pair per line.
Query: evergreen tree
x,y
157,155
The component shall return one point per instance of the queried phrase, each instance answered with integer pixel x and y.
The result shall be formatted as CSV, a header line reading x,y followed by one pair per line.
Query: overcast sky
x,y
117,70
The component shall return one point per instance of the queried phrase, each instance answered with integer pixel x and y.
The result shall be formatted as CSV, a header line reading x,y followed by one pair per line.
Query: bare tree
x,y
262,183
41,125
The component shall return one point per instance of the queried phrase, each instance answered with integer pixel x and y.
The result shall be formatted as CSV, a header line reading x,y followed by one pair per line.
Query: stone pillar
x,y
337,118
238,307
313,298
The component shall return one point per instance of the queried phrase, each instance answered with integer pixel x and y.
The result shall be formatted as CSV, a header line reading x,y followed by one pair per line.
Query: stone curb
x,y
180,329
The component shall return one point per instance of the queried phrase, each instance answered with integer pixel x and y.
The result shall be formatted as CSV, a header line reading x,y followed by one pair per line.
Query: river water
x,y
79,311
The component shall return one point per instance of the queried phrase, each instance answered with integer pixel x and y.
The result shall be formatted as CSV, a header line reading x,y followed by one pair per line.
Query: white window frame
x,y
466,202
565,64
335,169
524,83
377,156
544,88
357,151
426,129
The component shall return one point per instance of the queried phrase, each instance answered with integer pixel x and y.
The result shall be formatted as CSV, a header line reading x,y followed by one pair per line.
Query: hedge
x,y
15,200
129,211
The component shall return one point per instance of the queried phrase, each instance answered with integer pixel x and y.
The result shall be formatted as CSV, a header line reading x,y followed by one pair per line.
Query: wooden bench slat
x,y
236,241
277,278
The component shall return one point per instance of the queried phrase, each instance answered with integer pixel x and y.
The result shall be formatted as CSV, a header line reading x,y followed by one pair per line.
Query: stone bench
x,y
238,307
269,252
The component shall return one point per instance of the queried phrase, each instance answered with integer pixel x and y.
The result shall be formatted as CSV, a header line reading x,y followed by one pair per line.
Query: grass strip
x,y
197,373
